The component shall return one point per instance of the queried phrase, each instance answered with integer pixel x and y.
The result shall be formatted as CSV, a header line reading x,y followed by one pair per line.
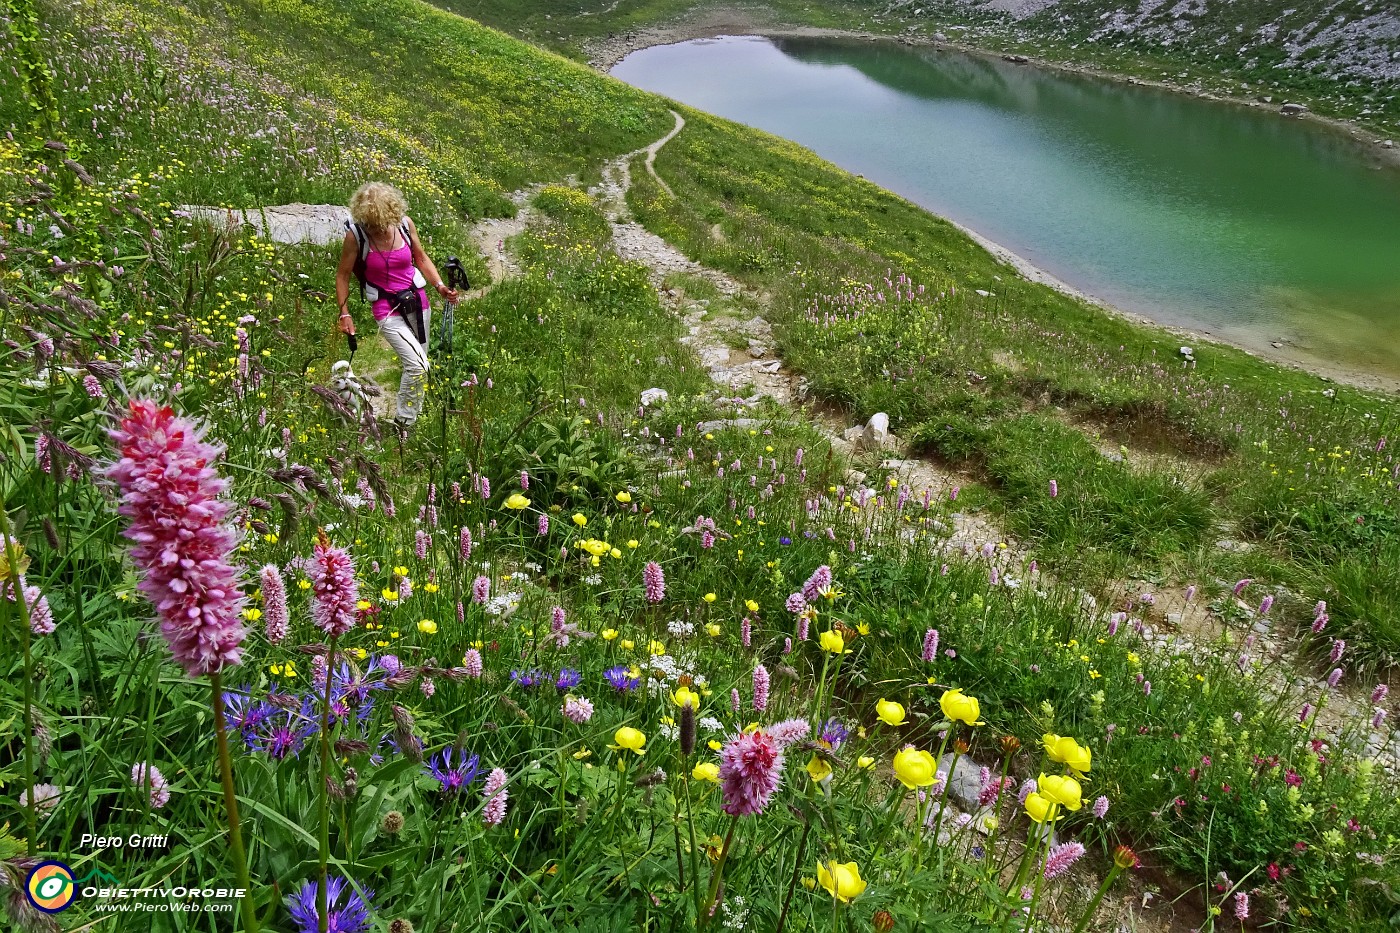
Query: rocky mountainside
x,y
1342,50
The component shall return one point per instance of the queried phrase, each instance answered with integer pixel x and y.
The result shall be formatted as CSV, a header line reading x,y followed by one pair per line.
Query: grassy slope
x,y
845,233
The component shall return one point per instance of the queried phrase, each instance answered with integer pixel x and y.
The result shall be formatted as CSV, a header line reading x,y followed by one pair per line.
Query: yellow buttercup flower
x,y
751,605
628,644
684,696
517,501
819,768
1066,750
580,519
842,881
715,745
623,497
1061,790
832,641
712,629
710,597
634,740
389,595
609,634
614,553
865,762
655,647
633,543
706,771
890,712
863,628
427,627
915,768
958,705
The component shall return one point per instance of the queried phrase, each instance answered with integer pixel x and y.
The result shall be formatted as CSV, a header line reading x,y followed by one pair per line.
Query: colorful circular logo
x,y
50,887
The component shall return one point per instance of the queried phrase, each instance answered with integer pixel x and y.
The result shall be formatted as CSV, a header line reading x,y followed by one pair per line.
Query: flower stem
x,y
718,875
323,917
796,871
235,831
1098,898
12,561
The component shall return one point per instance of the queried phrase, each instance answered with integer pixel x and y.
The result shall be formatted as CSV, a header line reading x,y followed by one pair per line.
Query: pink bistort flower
x,y
471,662
333,589
172,496
148,777
1061,857
750,770
760,687
818,581
274,592
495,794
654,582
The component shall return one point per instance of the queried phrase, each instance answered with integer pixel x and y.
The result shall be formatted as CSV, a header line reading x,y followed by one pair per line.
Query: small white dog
x,y
347,385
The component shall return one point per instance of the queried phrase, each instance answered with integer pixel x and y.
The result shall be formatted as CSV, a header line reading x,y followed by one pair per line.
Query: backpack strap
x,y
368,291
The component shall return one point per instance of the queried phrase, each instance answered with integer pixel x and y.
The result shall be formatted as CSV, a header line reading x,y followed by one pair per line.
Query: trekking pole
x,y
456,280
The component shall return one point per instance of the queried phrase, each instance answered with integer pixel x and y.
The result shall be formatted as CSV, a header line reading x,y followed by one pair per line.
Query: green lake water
x,y
1225,219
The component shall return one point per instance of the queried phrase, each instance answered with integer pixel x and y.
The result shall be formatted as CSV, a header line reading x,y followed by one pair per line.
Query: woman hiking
x,y
382,251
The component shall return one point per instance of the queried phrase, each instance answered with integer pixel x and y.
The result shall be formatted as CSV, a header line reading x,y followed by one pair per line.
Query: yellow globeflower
x,y
842,881
1066,750
633,543
1040,809
710,597
832,641
819,768
517,501
388,594
706,771
1062,790
580,519
958,705
890,712
751,605
624,497
865,762
631,739
712,629
615,553
684,696
427,627
655,647
628,644
609,634
915,768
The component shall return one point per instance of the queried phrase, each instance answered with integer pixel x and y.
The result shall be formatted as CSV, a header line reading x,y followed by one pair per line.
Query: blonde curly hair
x,y
377,206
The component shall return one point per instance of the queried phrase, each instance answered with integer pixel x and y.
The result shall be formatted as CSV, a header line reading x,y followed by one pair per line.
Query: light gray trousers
x,y
413,357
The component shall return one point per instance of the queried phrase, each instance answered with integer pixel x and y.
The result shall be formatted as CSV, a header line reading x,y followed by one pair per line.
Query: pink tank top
x,y
391,271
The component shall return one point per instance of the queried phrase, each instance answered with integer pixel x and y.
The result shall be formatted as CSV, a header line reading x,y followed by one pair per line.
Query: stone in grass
x,y
877,432
965,782
654,396
706,427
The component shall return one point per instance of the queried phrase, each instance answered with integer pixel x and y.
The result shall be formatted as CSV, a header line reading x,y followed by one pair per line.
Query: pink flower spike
x,y
172,496
750,770
1061,857
496,796
333,589
276,618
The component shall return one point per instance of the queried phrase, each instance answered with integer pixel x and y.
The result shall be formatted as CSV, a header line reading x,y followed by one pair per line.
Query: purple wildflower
x,y
481,589
789,731
471,662
352,916
464,543
621,679
1100,807
453,769
568,679
796,603
818,581
577,709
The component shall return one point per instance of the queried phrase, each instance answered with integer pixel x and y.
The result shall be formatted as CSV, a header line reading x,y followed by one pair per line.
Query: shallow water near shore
x,y
1228,220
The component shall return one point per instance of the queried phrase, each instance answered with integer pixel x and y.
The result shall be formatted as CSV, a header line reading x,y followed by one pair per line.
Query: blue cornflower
x,y
785,541
352,916
527,678
453,778
833,734
568,678
621,677
283,732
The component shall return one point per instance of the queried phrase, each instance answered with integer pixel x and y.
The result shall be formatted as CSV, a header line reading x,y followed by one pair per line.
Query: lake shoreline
x,y
713,24
603,54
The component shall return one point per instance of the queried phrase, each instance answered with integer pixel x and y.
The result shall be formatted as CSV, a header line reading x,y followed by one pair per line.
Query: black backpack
x,y
368,290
